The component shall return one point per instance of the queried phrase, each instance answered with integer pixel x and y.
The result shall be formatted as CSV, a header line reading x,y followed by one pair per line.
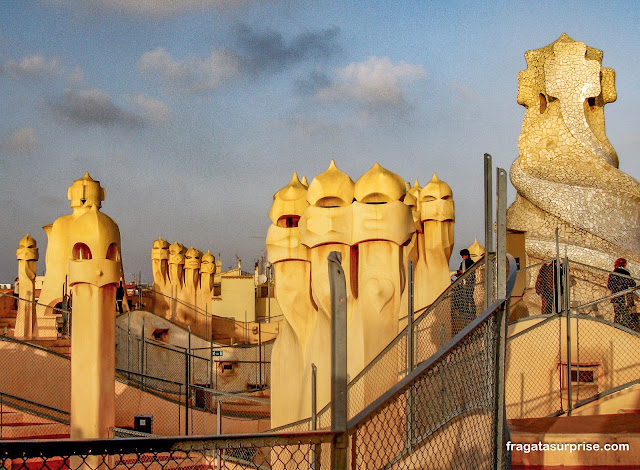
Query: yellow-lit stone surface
x,y
382,224
161,285
292,351
183,282
326,226
436,241
94,274
476,250
188,295
207,276
84,194
567,172
27,255
375,224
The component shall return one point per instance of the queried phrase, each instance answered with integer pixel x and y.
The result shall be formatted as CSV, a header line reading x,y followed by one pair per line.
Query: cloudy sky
x,y
192,113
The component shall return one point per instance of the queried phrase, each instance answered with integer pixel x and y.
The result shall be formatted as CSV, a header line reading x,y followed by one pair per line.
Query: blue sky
x,y
193,113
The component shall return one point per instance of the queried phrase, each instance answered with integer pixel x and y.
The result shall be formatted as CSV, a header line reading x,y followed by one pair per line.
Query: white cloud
x,y
38,66
159,8
152,110
23,140
192,74
377,82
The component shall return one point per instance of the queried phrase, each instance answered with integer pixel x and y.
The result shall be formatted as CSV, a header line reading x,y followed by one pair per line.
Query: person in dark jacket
x,y
466,288
546,287
119,297
620,280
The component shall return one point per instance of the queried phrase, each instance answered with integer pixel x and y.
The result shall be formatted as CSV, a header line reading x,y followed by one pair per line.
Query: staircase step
x,y
51,343
33,430
11,417
55,463
19,418
39,436
61,346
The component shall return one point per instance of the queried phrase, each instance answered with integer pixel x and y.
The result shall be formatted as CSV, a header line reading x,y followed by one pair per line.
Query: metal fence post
x,y
142,346
187,380
315,462
338,288
488,229
501,235
566,304
314,407
501,320
180,392
210,371
129,341
219,425
557,292
410,353
260,355
172,305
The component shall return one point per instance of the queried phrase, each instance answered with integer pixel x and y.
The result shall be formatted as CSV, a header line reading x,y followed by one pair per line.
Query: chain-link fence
x,y
305,451
176,407
234,369
432,328
447,412
25,419
58,315
223,330
453,310
582,346
442,415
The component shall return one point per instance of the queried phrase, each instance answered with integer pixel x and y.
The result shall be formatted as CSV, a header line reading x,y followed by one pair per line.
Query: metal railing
x,y
26,416
61,313
176,412
444,413
583,350
237,368
432,327
203,322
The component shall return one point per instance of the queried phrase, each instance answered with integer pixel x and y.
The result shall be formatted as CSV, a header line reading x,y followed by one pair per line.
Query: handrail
x,y
630,290
13,296
145,376
34,412
38,448
398,388
36,346
423,313
444,295
604,271
215,392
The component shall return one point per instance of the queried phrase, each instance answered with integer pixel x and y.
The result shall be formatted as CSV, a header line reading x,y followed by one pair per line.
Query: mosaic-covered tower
x,y
567,172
